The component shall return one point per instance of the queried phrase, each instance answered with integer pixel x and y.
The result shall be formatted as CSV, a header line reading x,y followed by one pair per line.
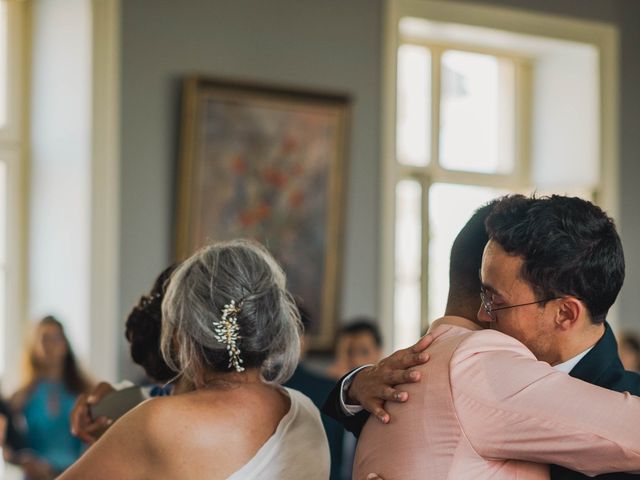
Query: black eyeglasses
x,y
487,303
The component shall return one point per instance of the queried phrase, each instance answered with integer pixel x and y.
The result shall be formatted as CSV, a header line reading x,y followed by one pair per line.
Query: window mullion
x,y
425,182
480,179
428,178
523,101
436,53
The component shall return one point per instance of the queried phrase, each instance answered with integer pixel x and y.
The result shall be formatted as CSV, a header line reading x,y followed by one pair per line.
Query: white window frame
x,y
105,191
601,35
517,180
13,154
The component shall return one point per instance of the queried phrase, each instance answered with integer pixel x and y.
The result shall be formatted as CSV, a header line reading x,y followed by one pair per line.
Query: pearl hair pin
x,y
226,331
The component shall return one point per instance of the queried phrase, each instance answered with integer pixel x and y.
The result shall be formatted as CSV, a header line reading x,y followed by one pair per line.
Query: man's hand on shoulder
x,y
373,386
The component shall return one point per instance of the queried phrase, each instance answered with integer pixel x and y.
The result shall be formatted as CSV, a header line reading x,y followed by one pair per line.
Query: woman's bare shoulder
x,y
180,418
159,416
210,417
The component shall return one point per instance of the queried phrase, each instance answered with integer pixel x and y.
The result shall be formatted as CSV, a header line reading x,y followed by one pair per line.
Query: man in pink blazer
x,y
488,409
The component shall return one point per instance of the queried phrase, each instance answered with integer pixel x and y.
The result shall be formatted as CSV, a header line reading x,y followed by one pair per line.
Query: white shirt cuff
x,y
349,409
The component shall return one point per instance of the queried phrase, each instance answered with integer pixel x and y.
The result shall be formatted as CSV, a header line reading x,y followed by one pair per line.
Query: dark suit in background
x,y
602,367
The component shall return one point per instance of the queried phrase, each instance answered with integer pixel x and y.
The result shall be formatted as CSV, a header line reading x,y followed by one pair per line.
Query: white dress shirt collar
x,y
567,366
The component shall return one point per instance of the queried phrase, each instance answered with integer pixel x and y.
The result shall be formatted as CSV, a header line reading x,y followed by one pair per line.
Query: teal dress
x,y
47,416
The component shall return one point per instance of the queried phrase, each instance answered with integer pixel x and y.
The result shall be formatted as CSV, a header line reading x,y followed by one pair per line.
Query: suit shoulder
x,y
630,383
315,386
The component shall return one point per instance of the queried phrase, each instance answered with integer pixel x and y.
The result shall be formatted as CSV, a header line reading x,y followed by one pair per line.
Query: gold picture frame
x,y
268,163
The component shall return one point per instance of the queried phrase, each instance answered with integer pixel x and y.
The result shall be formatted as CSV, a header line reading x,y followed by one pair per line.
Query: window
x,y
3,260
3,179
11,149
3,63
475,110
456,149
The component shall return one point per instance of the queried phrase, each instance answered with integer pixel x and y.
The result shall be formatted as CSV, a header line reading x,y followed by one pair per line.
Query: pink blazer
x,y
487,409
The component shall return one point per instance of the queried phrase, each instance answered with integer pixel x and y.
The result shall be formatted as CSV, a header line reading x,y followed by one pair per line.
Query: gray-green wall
x,y
322,44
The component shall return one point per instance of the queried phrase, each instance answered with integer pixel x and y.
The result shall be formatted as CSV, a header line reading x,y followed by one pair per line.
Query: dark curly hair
x,y
143,328
569,246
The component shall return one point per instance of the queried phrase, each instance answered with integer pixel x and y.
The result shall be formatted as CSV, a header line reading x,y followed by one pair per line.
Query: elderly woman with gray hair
x,y
230,331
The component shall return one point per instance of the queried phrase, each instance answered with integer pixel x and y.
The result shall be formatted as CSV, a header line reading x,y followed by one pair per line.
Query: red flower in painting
x,y
247,218
275,177
263,211
289,144
295,199
255,215
238,165
297,170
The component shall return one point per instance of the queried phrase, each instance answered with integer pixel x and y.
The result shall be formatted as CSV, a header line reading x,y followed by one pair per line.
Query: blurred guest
x,y
358,343
13,440
52,382
629,349
317,387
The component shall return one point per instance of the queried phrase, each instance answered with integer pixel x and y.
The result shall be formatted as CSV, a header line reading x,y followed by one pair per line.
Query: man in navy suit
x,y
600,366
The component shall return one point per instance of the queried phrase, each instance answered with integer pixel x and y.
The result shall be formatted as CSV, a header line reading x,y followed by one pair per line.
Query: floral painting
x,y
268,164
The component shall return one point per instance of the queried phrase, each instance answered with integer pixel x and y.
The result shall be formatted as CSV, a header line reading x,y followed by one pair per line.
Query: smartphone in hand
x,y
115,404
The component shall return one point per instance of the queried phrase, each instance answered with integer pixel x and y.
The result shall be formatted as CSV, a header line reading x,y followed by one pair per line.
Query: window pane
x,y
3,256
3,214
3,63
450,207
413,127
3,317
477,113
408,263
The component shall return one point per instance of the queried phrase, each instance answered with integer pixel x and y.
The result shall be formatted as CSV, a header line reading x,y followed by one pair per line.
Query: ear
x,y
570,310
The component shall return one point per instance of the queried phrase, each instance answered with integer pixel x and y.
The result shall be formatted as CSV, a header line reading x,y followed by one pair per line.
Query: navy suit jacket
x,y
332,408
601,366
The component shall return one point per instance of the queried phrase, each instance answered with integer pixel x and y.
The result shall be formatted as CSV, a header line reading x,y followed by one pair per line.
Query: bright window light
x,y
3,260
477,113
414,105
408,263
450,207
3,63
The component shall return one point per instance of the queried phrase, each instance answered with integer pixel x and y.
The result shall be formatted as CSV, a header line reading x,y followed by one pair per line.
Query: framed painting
x,y
268,164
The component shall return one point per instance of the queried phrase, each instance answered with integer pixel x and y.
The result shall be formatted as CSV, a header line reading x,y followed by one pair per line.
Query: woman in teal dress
x,y
45,402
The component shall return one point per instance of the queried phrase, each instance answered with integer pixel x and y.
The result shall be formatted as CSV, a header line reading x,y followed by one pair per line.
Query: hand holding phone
x,y
83,425
116,403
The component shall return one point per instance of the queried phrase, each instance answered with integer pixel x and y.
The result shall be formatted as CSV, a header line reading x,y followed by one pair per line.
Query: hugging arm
x,y
513,407
370,387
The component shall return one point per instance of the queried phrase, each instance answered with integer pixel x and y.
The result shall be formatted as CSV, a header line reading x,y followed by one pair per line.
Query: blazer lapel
x,y
597,366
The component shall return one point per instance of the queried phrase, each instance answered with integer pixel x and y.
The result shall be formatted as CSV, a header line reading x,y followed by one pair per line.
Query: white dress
x,y
297,450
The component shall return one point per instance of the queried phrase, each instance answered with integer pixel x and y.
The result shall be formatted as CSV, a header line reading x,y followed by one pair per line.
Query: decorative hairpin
x,y
226,331
146,300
